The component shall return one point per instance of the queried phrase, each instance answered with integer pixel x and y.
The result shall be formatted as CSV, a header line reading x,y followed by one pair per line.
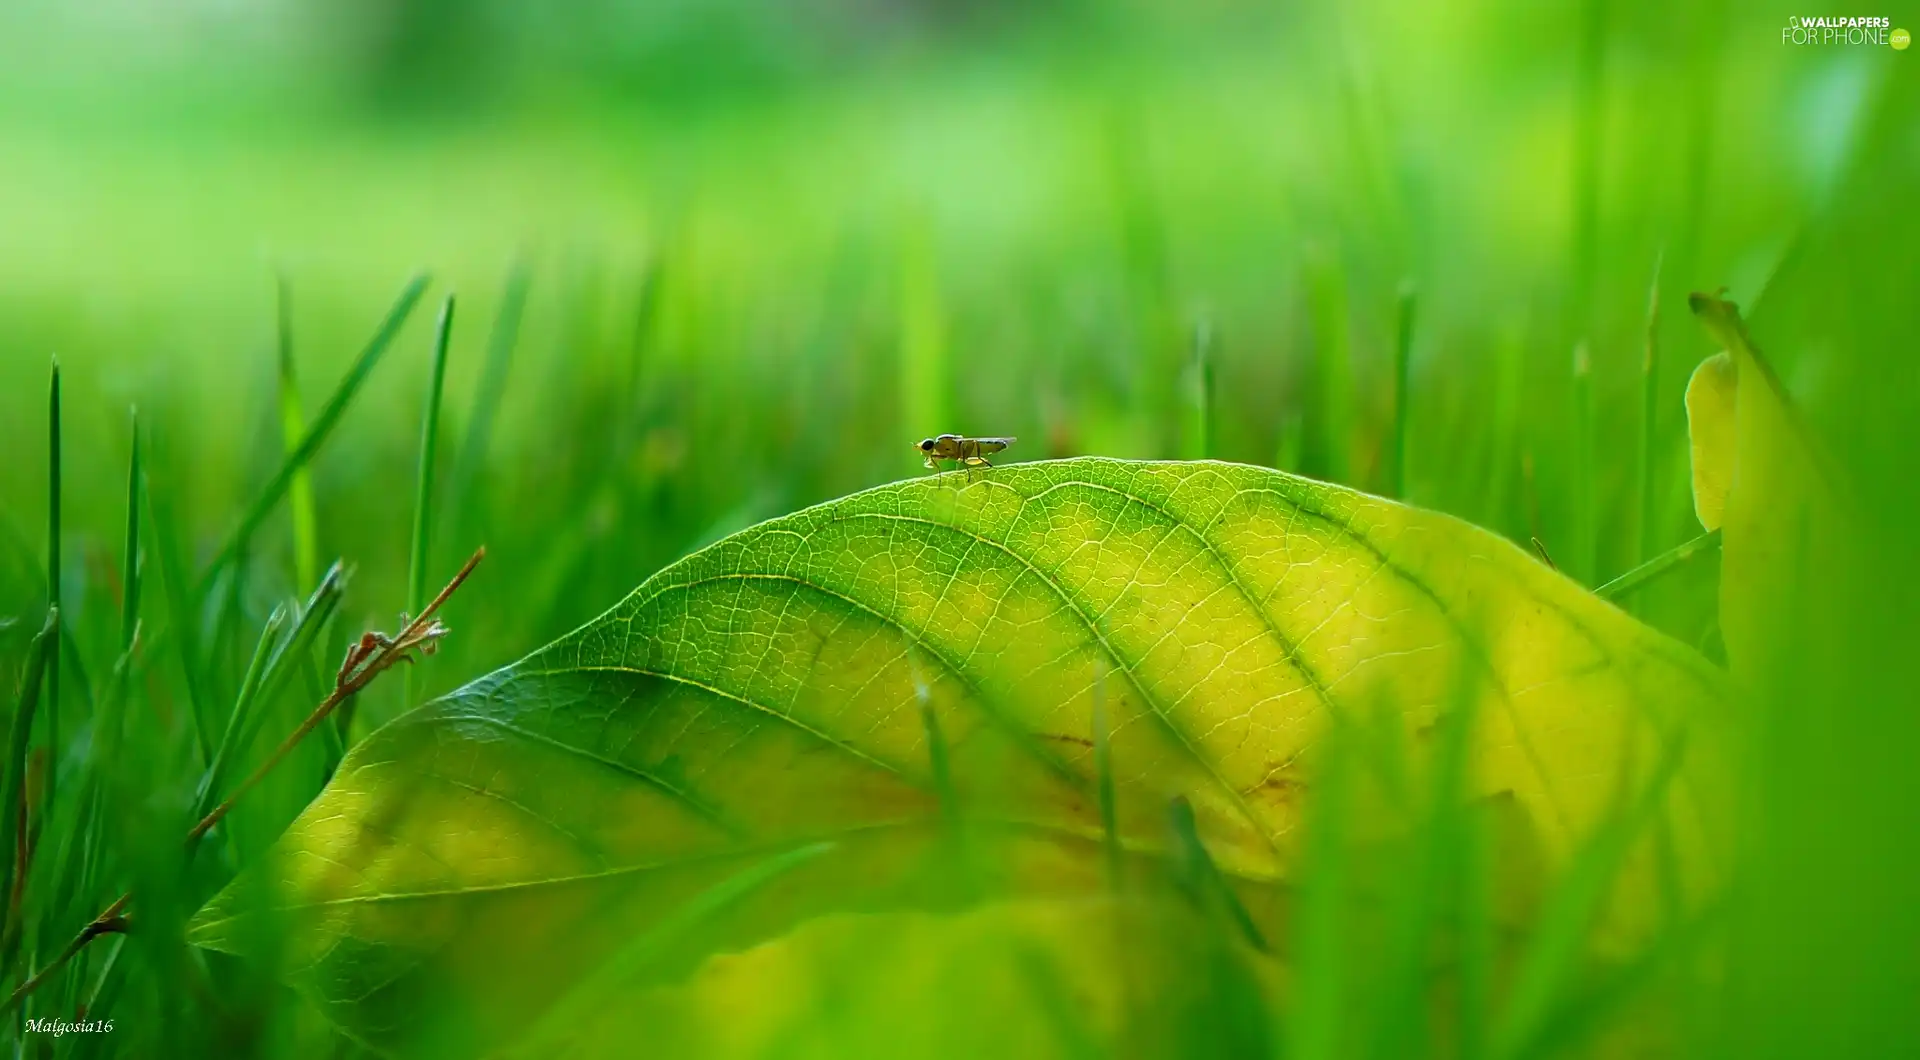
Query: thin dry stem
x,y
363,664
111,921
372,655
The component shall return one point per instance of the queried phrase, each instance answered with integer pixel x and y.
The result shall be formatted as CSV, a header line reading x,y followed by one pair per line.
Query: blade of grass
x,y
601,989
130,553
1575,1022
1401,1014
83,848
1209,884
39,658
53,581
333,737
315,436
184,618
306,548
423,495
493,379
111,922
1475,875
109,717
242,706
1499,474
106,987
924,385
1649,415
1553,953
1674,557
1292,442
937,760
230,622
1589,71
420,633
1314,1026
1073,1036
1334,367
277,668
1103,765
1143,242
1197,441
1580,560
1402,396
962,875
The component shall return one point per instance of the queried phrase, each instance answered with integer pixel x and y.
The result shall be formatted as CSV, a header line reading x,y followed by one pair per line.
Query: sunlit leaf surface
x,y
1761,470
1221,620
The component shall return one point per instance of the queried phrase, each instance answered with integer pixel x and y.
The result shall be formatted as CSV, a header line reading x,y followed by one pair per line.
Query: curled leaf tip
x,y
1711,403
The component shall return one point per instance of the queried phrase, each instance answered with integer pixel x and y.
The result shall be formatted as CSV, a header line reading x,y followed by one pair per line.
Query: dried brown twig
x,y
373,654
111,921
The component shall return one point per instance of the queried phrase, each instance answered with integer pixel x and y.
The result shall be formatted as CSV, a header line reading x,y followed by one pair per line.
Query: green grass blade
x,y
184,618
1103,765
279,667
294,656
130,556
229,623
1197,439
1579,560
1659,565
602,989
106,987
81,865
1292,441
1149,286
924,382
1474,866
937,760
39,659
1401,1014
242,706
1589,73
1402,395
423,495
315,436
1322,962
1649,418
493,380
84,846
293,426
1553,954
1333,364
53,583
1576,1022
1209,884
429,444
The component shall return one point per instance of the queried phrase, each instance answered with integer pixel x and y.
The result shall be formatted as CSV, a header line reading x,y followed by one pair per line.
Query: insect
x,y
971,452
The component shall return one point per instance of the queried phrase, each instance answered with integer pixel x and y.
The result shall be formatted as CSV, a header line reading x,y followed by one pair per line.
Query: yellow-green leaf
x,y
1775,501
1710,426
772,690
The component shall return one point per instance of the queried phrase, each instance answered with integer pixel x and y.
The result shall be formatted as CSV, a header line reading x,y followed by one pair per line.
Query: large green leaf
x,y
771,690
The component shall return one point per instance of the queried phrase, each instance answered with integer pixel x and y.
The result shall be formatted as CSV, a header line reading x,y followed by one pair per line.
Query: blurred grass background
x,y
717,261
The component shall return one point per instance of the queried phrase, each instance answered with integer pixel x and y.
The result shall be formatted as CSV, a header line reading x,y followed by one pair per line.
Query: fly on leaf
x,y
970,452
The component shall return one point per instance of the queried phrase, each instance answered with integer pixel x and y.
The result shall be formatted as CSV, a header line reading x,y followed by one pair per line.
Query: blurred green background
x,y
716,261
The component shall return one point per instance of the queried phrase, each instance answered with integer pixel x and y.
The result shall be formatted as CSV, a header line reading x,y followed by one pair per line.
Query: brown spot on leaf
x,y
1284,783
